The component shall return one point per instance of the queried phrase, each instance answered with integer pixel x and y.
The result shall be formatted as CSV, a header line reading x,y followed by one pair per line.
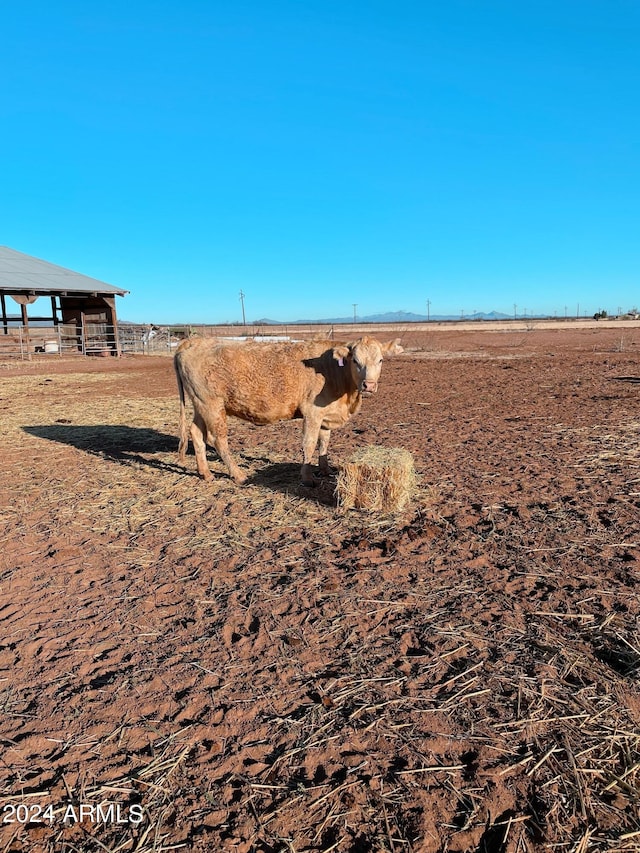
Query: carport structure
x,y
80,313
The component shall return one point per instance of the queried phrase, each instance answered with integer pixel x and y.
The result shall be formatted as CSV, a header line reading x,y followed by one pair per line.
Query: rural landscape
x,y
208,667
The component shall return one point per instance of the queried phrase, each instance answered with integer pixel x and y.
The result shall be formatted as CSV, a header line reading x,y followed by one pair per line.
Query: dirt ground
x,y
191,666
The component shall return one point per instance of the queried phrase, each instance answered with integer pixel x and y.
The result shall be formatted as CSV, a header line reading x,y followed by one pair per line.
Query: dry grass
x,y
612,449
378,479
147,487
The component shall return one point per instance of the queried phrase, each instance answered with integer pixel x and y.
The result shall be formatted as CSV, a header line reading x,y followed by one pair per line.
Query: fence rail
x,y
37,341
59,340
32,342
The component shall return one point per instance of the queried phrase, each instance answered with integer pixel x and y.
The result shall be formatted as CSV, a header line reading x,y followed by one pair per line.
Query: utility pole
x,y
515,311
428,307
355,305
244,321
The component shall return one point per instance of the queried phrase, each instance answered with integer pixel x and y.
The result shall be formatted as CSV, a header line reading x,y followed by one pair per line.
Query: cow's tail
x,y
183,426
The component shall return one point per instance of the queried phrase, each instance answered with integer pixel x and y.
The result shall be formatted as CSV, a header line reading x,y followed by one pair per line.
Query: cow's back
x,y
258,382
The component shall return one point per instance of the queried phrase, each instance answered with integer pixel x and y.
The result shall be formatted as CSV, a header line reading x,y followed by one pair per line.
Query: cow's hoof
x,y
327,473
308,484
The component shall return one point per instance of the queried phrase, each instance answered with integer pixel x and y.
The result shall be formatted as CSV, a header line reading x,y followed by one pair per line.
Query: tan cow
x,y
321,382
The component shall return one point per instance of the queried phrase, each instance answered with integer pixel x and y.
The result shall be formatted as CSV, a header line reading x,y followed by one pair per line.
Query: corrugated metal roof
x,y
19,272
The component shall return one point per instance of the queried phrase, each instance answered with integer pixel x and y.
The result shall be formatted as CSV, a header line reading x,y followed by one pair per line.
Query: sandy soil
x,y
207,667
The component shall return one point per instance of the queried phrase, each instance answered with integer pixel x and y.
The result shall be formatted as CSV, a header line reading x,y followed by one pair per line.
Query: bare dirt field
x,y
190,666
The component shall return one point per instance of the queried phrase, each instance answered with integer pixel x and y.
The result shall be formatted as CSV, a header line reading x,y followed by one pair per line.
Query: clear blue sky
x,y
319,153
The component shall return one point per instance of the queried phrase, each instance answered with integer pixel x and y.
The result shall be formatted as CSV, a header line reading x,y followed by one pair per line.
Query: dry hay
x,y
611,447
380,479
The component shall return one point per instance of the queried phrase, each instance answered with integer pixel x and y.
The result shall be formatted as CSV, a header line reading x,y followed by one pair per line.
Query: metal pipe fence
x,y
29,342
37,341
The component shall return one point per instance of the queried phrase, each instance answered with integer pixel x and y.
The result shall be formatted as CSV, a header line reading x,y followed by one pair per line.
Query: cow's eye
x,y
357,363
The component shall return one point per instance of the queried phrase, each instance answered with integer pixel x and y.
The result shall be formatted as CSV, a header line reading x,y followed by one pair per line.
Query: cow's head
x,y
364,359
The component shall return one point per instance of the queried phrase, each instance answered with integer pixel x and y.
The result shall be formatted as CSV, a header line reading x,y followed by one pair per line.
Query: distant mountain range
x,y
387,317
394,317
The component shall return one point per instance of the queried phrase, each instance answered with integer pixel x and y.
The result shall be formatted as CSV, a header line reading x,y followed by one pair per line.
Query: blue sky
x,y
316,154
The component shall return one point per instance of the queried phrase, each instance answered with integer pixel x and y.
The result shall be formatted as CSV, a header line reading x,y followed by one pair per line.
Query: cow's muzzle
x,y
369,387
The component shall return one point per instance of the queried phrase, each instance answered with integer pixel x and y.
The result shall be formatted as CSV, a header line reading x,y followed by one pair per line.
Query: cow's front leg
x,y
310,433
323,447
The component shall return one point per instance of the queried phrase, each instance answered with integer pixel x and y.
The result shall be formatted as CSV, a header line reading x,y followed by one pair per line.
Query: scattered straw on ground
x,y
263,672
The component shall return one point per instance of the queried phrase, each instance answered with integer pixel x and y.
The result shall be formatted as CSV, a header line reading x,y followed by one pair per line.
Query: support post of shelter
x,y
25,323
5,325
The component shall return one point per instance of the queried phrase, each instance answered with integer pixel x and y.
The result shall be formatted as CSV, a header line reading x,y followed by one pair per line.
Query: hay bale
x,y
376,478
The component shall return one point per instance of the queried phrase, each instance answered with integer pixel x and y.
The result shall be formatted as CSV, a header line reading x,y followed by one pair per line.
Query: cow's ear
x,y
341,352
392,347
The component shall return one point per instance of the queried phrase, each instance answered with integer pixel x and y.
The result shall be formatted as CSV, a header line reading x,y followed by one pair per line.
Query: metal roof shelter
x,y
75,299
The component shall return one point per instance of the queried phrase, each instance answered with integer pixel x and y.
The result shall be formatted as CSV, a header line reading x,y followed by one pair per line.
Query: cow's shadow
x,y
284,477
137,446
123,444
633,380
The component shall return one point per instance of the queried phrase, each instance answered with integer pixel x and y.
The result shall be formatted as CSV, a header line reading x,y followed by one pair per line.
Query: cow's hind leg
x,y
198,433
323,447
310,433
216,421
